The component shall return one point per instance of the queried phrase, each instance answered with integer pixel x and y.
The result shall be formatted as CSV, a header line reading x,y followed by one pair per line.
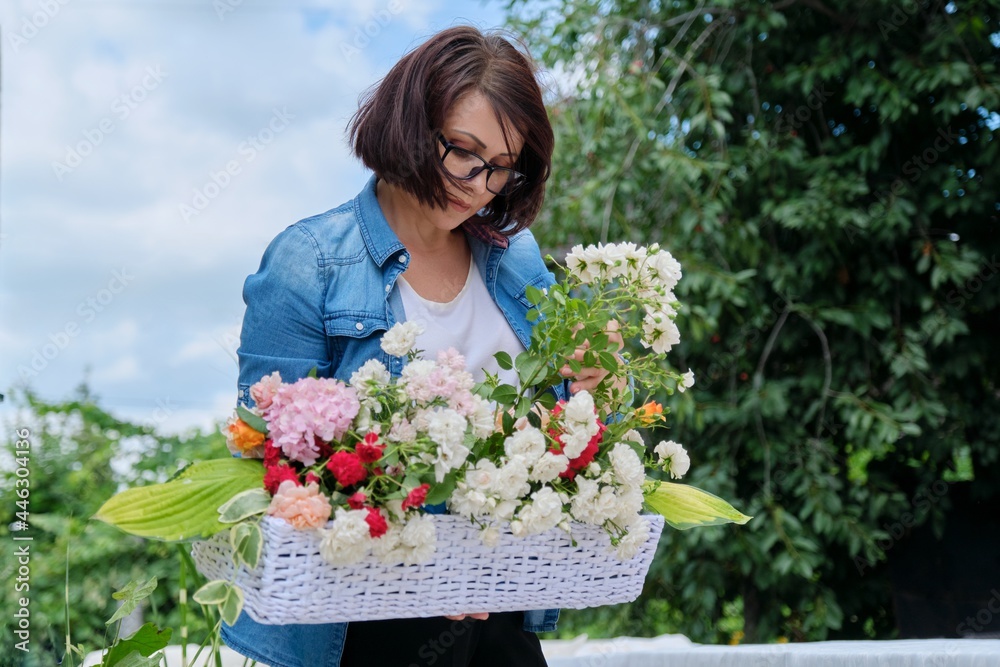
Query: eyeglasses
x,y
466,165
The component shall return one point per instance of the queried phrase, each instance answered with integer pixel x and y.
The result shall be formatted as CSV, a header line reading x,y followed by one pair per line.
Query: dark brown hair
x,y
394,131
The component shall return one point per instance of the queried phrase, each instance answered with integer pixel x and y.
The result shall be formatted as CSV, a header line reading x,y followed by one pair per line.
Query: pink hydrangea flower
x,y
302,506
308,409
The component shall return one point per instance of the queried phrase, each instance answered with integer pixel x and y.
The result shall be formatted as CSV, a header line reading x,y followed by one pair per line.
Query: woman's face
x,y
472,125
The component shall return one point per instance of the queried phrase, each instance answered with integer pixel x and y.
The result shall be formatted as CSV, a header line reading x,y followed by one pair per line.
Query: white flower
x,y
579,409
627,465
466,501
528,443
401,430
371,377
399,340
418,539
446,427
482,477
490,536
632,435
548,467
593,503
663,268
581,264
594,469
629,545
687,381
349,540
673,457
575,438
482,419
542,513
512,480
659,331
629,504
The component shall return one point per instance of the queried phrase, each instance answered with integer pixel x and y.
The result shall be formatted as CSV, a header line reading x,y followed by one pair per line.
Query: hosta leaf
x,y
186,507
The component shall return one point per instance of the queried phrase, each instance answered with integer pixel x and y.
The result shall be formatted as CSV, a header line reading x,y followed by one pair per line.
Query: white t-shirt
x,y
471,323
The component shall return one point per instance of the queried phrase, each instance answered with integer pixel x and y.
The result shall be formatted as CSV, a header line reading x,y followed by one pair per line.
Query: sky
x,y
149,151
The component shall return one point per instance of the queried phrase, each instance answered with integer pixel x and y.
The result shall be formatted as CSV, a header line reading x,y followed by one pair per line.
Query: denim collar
x,y
383,243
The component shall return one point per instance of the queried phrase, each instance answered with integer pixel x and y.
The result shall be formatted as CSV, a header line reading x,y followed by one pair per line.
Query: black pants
x,y
499,641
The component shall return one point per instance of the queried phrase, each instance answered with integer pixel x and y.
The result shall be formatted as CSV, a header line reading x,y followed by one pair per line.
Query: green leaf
x,y
244,504
313,372
131,594
227,596
136,649
547,400
504,395
528,368
256,422
213,592
137,659
442,491
685,506
534,295
247,542
186,506
232,606
503,360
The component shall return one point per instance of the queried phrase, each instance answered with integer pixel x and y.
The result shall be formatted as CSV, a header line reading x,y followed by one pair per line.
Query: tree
x,y
825,172
79,455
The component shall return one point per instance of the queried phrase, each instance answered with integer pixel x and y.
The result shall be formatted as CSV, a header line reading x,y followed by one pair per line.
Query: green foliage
x,y
825,173
80,456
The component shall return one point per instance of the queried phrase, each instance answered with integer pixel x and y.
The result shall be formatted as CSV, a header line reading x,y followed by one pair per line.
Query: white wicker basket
x,y
293,584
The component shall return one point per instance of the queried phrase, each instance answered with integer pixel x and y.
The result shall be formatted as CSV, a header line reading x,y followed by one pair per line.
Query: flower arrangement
x,y
361,462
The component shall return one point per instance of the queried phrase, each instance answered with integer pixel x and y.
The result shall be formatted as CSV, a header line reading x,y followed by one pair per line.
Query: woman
x,y
460,145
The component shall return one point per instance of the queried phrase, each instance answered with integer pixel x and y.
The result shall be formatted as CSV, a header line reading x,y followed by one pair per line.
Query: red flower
x,y
369,450
356,500
275,475
347,468
323,448
312,477
416,497
272,454
376,523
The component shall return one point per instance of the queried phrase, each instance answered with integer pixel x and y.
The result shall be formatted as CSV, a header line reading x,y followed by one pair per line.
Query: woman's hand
x,y
589,378
482,616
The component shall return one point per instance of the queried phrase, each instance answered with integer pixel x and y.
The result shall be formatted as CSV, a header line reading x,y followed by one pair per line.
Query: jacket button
x,y
359,326
403,258
388,288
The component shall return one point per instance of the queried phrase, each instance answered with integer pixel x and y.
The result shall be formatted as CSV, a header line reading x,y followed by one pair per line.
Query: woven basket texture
x,y
293,584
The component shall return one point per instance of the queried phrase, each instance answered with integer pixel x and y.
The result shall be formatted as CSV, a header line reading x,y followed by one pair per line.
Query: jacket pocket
x,y
541,281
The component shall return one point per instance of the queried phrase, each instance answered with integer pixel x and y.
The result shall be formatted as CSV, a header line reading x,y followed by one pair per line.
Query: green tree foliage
x,y
825,171
79,456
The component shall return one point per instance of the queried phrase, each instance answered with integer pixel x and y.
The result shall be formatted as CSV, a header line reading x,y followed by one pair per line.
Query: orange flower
x,y
243,439
650,413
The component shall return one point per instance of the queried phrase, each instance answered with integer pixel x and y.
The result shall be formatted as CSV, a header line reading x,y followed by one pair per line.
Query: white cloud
x,y
118,208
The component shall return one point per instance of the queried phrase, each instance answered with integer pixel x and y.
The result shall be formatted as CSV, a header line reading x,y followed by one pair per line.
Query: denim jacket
x,y
323,296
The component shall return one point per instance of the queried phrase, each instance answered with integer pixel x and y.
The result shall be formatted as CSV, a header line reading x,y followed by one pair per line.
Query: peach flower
x,y
302,506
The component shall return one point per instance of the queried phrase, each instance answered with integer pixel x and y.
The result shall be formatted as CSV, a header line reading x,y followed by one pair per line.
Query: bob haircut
x,y
394,131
